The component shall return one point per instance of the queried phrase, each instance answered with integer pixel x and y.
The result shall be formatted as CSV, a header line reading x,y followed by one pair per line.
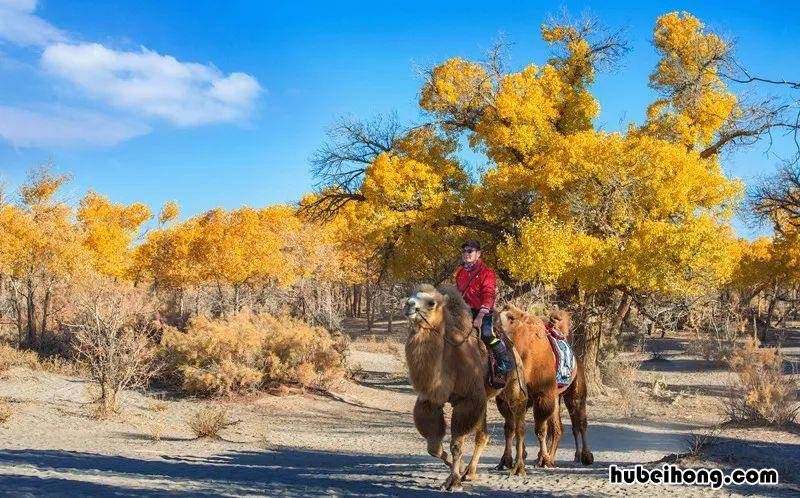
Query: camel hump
x,y
455,301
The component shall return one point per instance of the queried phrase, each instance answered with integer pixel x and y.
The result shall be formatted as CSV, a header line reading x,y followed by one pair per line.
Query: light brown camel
x,y
529,335
447,363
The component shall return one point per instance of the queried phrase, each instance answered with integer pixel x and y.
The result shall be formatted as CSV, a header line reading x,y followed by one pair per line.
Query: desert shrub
x,y
620,376
208,422
5,411
760,393
712,349
248,351
113,339
13,357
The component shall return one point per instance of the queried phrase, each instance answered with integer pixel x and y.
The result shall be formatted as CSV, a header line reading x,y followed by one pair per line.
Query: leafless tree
x,y
113,338
340,163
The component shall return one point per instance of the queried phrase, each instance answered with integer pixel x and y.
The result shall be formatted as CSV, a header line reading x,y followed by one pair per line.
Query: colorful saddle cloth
x,y
565,358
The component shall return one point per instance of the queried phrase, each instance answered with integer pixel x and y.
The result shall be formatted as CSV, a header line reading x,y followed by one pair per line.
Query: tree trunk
x,y
31,317
619,316
180,303
368,295
586,340
20,324
45,312
220,311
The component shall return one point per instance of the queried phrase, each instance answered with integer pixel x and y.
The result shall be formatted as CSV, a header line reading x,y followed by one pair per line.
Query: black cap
x,y
472,243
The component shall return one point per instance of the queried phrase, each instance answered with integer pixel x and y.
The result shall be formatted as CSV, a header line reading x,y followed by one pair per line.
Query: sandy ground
x,y
360,440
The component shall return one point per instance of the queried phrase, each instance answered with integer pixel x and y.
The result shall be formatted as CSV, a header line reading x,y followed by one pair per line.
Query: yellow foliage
x,y
457,86
696,103
108,231
169,211
41,187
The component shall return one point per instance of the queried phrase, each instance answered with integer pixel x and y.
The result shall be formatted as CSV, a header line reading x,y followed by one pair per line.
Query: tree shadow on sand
x,y
284,472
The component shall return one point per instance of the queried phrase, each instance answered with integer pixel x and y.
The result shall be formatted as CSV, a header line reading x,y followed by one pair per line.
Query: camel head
x,y
560,320
425,307
511,317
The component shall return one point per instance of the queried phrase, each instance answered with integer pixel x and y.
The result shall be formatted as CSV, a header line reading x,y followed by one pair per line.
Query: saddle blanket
x,y
565,358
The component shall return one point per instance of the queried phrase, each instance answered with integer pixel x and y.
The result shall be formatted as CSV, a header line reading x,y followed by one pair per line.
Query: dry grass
x,y
717,350
13,357
377,344
208,422
761,393
155,429
699,442
101,411
157,406
62,366
5,410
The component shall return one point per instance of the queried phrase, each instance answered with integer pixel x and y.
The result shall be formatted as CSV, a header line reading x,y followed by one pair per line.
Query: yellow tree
x,y
243,246
770,267
41,249
108,231
601,216
166,258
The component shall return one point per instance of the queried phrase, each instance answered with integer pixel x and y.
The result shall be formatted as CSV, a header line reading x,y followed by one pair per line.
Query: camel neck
x,y
424,350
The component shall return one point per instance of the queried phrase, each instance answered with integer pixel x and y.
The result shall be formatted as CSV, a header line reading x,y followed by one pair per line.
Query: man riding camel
x,y
478,284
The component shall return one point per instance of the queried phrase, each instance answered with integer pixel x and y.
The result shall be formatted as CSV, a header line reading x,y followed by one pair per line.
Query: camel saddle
x,y
564,357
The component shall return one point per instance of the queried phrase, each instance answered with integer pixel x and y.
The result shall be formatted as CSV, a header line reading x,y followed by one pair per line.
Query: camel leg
x,y
481,440
509,426
575,399
555,431
467,415
429,420
543,407
519,433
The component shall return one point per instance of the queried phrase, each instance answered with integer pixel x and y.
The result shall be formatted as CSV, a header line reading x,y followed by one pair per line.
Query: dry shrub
x,y
711,349
157,406
761,393
5,410
209,421
113,339
249,351
13,357
698,442
63,366
621,377
155,429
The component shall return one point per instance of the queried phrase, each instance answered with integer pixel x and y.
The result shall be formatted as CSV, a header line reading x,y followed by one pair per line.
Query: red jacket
x,y
479,286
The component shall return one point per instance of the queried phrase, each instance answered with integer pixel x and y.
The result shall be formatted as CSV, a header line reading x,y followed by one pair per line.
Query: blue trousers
x,y
487,328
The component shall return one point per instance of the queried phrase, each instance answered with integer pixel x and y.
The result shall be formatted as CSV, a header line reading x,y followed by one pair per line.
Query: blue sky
x,y
222,103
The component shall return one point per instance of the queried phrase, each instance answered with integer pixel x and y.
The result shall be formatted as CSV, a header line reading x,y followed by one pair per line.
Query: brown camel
x,y
529,336
447,363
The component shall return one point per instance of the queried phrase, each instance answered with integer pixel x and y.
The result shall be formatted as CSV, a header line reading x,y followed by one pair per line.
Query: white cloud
x,y
146,82
64,126
137,83
20,26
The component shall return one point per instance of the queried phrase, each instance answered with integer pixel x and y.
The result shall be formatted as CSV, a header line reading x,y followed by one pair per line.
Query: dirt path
x,y
359,441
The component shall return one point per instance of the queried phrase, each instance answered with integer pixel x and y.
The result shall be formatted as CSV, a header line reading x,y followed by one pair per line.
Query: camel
x,y
447,363
529,336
